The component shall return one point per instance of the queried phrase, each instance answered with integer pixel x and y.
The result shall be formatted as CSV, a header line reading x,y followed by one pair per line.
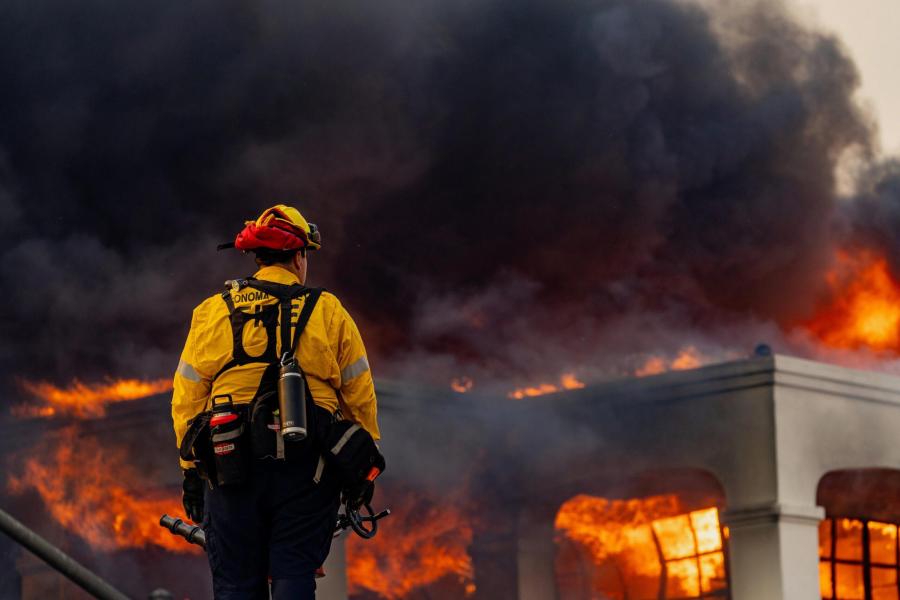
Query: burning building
x,y
528,198
774,444
769,477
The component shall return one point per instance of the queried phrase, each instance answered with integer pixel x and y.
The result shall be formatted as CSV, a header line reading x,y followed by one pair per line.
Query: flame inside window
x,y
858,560
641,549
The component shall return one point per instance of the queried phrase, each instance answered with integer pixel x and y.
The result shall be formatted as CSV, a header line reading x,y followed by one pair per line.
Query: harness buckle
x,y
236,285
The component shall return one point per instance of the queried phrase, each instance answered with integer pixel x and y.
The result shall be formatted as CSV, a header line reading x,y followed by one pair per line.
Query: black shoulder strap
x,y
226,296
285,295
308,305
265,317
282,291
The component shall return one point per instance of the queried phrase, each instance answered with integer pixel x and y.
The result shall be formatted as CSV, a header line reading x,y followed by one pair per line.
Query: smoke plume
x,y
501,183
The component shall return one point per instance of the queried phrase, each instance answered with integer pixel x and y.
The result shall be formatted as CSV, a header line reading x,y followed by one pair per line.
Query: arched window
x,y
651,548
859,558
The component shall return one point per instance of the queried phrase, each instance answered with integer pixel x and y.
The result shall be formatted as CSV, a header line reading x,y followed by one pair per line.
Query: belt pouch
x,y
196,447
229,444
264,426
350,449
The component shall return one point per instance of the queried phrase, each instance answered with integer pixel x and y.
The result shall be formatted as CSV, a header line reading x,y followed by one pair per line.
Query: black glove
x,y
359,494
192,495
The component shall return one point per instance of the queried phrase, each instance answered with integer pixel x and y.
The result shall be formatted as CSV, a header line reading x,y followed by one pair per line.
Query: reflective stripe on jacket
x,y
331,354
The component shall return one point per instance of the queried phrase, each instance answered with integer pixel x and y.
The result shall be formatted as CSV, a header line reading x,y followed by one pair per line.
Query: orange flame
x,y
461,385
86,401
89,489
418,545
567,381
866,309
651,542
687,358
843,552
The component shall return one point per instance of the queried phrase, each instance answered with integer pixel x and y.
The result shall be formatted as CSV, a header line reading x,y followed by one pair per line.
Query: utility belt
x,y
224,441
224,449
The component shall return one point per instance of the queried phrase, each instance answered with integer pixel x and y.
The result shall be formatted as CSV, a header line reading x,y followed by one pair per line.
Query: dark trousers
x,y
279,525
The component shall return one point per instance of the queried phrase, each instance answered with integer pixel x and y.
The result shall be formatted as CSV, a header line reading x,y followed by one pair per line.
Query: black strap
x,y
282,291
285,294
308,305
229,303
267,317
226,296
286,310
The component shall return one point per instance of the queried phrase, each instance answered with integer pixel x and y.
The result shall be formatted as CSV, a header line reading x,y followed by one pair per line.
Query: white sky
x,y
871,31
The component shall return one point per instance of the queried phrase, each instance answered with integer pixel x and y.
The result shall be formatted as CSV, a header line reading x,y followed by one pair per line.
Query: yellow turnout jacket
x,y
331,353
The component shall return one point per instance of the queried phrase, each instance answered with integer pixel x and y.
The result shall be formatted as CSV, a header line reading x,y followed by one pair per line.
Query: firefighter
x,y
278,521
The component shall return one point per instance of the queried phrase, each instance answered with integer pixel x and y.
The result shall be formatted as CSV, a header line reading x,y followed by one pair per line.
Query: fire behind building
x,y
769,477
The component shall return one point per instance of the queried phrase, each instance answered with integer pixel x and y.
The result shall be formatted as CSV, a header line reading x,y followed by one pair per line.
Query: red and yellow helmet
x,y
281,227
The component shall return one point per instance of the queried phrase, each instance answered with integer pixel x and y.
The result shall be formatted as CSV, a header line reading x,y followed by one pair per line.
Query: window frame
x,y
865,563
720,594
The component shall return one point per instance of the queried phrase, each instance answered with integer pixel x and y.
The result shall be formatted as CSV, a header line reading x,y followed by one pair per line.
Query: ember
x,y
865,312
655,547
419,545
687,358
86,401
89,490
567,381
461,385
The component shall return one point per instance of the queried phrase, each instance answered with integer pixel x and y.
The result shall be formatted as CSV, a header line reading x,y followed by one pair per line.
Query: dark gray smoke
x,y
875,214
497,180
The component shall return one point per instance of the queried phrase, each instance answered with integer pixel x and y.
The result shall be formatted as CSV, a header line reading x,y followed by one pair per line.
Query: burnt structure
x,y
767,429
776,443
764,432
